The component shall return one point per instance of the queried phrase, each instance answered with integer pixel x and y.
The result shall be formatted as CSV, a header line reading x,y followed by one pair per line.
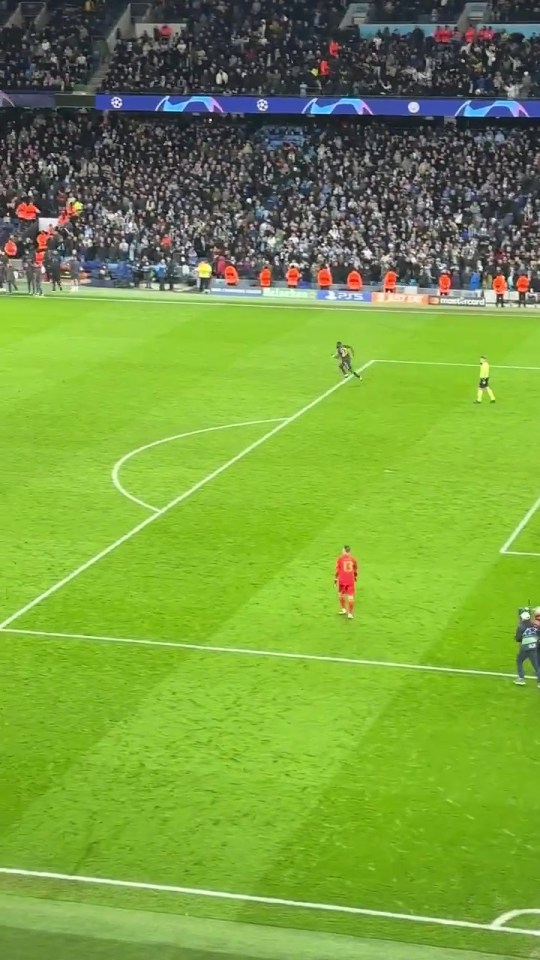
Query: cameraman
x,y
527,635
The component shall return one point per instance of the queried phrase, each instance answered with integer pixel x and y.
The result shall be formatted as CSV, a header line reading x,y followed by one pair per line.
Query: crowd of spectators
x,y
291,57
273,47
370,195
261,46
515,11
59,55
412,11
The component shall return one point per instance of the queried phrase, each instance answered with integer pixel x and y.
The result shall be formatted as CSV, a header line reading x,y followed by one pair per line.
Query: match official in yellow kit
x,y
204,272
483,383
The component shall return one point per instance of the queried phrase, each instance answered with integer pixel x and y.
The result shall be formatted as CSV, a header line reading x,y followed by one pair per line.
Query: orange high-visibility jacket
x,y
354,280
324,278
293,276
390,281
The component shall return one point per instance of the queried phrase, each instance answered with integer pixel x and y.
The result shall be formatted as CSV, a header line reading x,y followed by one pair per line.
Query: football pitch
x,y
200,758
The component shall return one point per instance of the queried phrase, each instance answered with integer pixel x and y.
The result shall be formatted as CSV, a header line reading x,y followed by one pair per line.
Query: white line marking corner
x,y
501,922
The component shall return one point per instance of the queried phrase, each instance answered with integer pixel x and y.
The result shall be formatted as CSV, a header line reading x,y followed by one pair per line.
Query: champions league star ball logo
x,y
262,105
117,103
321,107
189,105
491,108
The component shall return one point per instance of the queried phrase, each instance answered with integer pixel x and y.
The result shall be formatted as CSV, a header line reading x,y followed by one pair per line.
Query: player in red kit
x,y
345,579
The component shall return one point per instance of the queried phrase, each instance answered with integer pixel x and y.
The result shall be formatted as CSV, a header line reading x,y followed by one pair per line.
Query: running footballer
x,y
344,354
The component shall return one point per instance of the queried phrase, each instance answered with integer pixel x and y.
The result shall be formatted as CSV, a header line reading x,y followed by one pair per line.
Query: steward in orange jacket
x,y
292,276
231,275
445,284
390,281
265,277
27,211
500,287
42,240
522,287
324,278
354,280
10,248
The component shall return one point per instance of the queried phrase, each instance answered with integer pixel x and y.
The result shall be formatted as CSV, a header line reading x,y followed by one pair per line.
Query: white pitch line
x,y
444,363
521,526
269,901
277,304
510,915
115,475
178,500
252,652
520,553
215,301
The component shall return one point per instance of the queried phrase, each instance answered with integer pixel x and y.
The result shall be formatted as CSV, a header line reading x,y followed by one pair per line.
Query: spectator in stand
x,y
415,201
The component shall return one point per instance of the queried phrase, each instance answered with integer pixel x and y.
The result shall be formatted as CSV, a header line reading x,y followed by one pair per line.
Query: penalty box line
x,y
496,926
265,654
505,549
36,601
177,501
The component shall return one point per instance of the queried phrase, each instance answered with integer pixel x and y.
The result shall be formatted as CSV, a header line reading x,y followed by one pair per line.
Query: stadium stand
x,y
411,11
515,11
266,49
300,61
62,53
420,198
259,47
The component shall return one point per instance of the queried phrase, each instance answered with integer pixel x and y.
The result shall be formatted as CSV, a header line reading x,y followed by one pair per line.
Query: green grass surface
x,y
379,788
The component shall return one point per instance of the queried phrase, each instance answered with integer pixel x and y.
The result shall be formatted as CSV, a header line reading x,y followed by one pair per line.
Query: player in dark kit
x,y
344,354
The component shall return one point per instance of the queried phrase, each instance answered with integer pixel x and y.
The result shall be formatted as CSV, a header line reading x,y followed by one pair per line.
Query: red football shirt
x,y
346,568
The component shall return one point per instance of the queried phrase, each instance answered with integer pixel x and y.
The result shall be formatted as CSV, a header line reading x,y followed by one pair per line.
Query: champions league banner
x,y
319,106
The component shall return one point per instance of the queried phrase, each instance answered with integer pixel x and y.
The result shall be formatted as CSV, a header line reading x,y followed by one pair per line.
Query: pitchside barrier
x,y
404,296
